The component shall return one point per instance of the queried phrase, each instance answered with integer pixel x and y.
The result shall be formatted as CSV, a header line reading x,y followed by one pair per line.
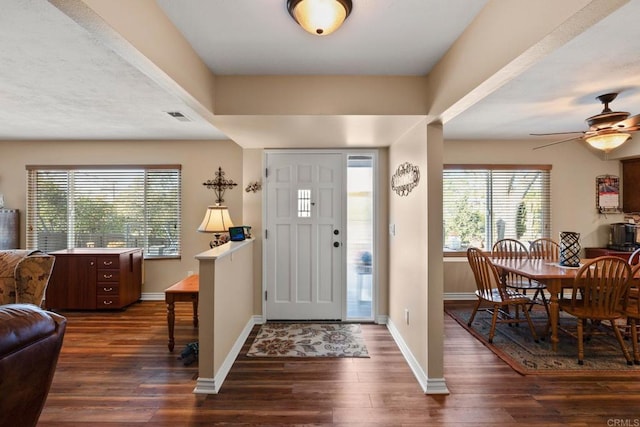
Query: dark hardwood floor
x,y
115,370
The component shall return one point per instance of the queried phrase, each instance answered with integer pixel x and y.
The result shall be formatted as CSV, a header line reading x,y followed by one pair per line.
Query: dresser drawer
x,y
107,290
107,302
108,262
108,276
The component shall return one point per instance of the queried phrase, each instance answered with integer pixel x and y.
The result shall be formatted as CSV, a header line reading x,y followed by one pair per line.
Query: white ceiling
x,y
58,80
558,93
380,37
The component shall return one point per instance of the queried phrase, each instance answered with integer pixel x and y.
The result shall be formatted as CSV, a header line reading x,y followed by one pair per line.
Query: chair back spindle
x,y
509,249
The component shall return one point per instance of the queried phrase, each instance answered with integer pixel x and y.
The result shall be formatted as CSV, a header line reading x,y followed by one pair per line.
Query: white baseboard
x,y
205,386
213,385
152,296
428,385
436,386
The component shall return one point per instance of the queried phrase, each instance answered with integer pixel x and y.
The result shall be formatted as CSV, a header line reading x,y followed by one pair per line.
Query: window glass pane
x,y
103,207
304,203
360,254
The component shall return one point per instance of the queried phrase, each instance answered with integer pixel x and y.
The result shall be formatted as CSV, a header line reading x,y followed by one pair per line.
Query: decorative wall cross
x,y
219,184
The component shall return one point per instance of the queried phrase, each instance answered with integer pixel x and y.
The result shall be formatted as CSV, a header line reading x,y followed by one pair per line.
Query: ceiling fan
x,y
607,130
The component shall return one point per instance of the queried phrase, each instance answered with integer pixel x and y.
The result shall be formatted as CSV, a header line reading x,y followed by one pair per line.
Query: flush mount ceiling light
x,y
319,17
608,141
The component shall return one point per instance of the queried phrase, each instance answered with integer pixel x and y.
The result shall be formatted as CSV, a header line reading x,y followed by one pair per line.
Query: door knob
x,y
336,232
336,244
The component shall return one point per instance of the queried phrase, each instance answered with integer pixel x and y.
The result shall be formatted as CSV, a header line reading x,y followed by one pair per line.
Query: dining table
x,y
553,275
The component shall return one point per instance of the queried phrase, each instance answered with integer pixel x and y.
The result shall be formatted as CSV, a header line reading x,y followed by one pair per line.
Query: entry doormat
x,y
309,340
515,346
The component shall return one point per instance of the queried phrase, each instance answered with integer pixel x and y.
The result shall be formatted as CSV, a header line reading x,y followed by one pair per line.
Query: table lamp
x,y
217,221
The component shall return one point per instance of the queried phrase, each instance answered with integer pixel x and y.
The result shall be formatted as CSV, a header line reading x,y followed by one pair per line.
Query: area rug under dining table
x,y
515,345
309,340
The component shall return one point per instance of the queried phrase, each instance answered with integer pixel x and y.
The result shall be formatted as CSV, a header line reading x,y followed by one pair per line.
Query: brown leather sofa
x,y
30,342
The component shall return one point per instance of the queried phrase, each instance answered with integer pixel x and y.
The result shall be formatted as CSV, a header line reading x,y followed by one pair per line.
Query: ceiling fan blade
x,y
633,121
557,142
554,133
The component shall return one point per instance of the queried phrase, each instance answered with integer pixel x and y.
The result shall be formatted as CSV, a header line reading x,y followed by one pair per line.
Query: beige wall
x,y
252,213
225,304
199,160
573,198
382,257
408,248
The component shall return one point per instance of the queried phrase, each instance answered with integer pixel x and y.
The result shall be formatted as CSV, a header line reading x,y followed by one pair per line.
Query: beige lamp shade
x,y
608,141
319,17
216,220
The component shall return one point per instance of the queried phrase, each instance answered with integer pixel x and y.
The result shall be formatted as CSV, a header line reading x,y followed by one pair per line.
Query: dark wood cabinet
x,y
630,188
95,278
596,252
9,229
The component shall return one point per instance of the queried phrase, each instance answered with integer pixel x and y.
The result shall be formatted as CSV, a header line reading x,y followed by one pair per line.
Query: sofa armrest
x,y
30,343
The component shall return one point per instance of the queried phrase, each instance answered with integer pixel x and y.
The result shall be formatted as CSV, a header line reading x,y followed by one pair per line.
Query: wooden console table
x,y
184,291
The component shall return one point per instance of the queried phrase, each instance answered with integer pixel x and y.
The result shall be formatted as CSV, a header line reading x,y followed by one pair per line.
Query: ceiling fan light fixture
x,y
319,17
608,141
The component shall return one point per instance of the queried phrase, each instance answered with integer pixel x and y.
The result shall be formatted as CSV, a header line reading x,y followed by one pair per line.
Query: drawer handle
x,y
107,302
107,289
107,262
107,276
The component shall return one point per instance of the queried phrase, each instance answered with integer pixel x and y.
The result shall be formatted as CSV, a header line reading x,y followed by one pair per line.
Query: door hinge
x,y
265,296
266,234
266,172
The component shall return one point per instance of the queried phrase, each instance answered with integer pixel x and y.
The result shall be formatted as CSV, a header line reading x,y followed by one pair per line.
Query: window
x,y
483,204
304,203
105,206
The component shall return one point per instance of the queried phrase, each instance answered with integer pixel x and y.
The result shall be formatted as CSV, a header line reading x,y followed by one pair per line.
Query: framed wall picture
x,y
608,193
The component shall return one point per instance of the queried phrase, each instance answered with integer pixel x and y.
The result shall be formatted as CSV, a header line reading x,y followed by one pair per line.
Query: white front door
x,y
304,236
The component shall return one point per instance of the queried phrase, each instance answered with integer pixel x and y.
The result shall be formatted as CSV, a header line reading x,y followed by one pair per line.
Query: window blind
x,y
484,203
105,206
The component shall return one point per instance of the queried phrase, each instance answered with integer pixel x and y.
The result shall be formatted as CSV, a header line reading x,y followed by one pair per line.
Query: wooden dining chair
x,y
634,258
514,249
544,248
633,298
490,291
597,295
511,249
631,309
547,249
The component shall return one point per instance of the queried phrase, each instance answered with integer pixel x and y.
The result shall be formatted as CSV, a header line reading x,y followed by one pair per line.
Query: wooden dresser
x,y
95,278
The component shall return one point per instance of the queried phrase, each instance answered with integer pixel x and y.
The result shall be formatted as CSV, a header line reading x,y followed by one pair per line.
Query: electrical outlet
x,y
392,229
406,315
